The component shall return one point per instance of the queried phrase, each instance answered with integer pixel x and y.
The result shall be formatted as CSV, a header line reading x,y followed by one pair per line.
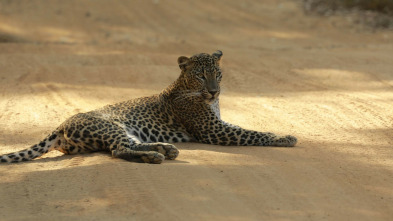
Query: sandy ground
x,y
321,79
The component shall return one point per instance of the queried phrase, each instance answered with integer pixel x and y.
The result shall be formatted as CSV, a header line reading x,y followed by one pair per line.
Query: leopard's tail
x,y
49,143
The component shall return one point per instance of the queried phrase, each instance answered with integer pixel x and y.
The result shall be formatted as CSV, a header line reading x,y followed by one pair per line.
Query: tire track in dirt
x,y
370,113
129,186
75,161
13,107
235,180
57,97
236,80
6,110
356,118
11,99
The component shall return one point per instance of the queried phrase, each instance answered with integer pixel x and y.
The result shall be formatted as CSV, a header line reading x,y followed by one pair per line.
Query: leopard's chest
x,y
216,108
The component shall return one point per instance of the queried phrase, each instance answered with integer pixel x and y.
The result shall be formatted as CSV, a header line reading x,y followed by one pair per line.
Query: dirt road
x,y
321,79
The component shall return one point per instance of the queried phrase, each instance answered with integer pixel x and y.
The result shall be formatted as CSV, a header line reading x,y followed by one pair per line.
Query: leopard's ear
x,y
218,55
183,62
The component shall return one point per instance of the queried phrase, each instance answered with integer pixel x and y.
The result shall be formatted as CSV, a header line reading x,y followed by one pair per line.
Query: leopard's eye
x,y
201,76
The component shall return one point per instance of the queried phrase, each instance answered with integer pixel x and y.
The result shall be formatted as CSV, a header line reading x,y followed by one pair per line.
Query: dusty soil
x,y
321,79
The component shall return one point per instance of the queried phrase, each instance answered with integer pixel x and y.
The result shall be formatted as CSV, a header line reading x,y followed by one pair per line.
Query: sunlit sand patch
x,y
222,156
336,78
275,34
287,34
11,29
61,35
51,161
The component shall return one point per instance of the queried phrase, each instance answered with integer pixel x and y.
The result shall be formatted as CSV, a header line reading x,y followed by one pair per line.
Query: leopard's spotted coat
x,y
188,110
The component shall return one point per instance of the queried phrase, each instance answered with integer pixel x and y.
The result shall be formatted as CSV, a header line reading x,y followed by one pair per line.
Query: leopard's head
x,y
202,75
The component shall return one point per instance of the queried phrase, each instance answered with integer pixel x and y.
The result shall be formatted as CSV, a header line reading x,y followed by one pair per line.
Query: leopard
x,y
144,129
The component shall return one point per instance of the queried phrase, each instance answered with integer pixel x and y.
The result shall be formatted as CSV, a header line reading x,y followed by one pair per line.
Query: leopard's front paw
x,y
285,141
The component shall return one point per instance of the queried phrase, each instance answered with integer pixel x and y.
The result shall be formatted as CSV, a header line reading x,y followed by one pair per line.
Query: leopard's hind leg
x,y
81,136
148,152
131,148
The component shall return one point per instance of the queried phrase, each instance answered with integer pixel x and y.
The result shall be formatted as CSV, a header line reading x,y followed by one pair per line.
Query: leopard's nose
x,y
213,92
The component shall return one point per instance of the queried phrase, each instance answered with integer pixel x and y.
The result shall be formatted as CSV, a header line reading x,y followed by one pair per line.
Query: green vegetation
x,y
376,13
383,6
